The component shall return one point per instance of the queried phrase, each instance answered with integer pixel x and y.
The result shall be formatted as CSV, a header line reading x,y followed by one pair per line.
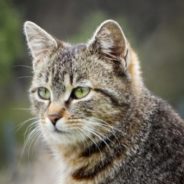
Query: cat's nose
x,y
54,118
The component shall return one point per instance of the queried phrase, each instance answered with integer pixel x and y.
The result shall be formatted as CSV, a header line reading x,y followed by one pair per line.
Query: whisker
x,y
33,140
23,77
110,112
104,125
99,136
82,135
83,131
25,122
24,66
107,124
100,123
93,141
114,135
31,126
32,137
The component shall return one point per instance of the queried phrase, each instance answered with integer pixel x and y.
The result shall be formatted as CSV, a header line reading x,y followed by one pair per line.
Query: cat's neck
x,y
84,161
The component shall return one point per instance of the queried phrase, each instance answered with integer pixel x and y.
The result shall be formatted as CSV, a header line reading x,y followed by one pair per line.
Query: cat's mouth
x,y
62,126
56,130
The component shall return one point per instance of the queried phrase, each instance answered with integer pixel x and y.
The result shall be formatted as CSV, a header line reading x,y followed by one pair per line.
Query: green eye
x,y
43,93
80,92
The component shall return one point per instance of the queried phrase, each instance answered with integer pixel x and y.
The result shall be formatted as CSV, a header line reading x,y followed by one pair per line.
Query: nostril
x,y
54,117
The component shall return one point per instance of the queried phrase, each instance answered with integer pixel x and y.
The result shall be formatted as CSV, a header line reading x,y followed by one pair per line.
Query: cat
x,y
96,115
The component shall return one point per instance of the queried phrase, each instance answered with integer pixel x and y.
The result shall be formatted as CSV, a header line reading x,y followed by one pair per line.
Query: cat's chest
x,y
65,172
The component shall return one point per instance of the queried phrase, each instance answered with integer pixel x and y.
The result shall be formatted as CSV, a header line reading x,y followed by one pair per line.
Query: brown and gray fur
x,y
120,133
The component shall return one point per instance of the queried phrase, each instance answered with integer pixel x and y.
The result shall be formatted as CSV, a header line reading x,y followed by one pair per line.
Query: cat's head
x,y
82,91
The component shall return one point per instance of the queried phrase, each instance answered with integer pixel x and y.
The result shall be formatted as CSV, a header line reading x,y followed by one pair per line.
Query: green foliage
x,y
10,39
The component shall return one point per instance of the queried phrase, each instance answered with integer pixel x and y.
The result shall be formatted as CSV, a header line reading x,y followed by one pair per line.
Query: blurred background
x,y
155,29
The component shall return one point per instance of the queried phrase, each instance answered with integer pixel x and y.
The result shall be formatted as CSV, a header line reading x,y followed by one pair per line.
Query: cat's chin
x,y
57,136
61,138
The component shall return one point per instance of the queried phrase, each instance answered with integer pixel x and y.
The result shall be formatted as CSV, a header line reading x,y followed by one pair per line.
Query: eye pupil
x,y
43,93
80,92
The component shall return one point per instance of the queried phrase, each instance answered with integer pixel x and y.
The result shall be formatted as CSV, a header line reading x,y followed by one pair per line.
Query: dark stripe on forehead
x,y
73,52
77,48
59,67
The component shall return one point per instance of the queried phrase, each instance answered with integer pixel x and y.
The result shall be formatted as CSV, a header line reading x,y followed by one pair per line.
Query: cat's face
x,y
83,91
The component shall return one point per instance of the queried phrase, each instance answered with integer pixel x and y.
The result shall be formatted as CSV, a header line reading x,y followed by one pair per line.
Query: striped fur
x,y
119,132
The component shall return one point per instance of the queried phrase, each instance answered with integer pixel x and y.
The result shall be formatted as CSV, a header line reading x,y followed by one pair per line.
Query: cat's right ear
x,y
38,40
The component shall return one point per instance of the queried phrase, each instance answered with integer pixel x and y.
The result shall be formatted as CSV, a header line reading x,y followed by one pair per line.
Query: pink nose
x,y
54,118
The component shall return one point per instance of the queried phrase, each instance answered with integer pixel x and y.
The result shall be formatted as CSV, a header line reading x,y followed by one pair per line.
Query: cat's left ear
x,y
38,40
110,40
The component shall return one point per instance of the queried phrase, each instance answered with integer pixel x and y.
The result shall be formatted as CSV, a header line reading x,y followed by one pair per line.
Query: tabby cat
x,y
96,115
